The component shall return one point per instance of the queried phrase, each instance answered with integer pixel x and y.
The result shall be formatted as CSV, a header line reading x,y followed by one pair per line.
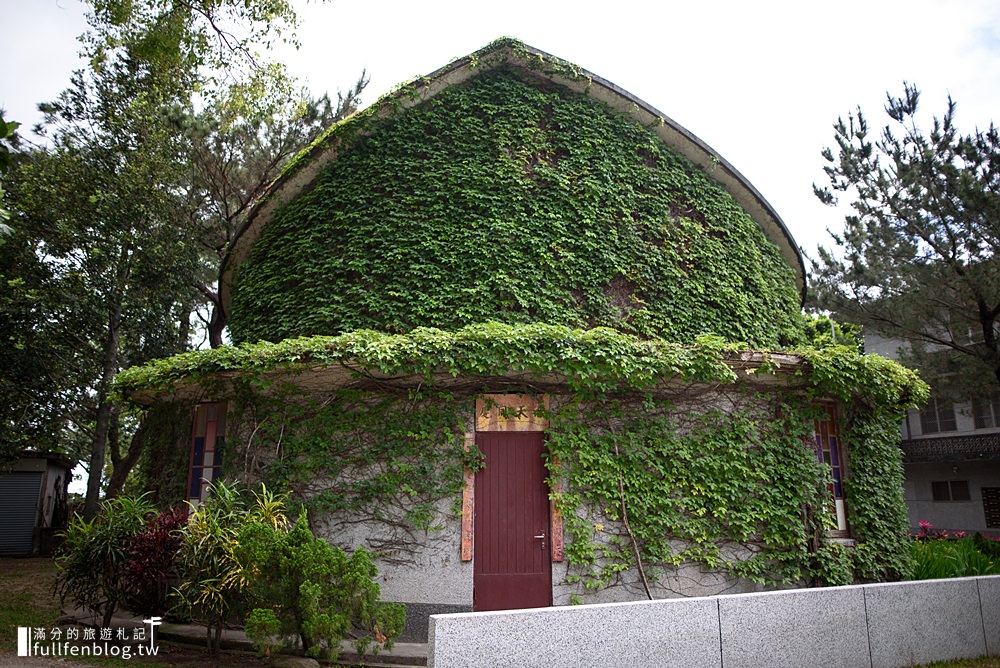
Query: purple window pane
x,y
194,487
199,451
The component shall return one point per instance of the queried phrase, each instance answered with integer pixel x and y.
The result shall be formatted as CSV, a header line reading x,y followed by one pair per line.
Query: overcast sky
x,y
760,82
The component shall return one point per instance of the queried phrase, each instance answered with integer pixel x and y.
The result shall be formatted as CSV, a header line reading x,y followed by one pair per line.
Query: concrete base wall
x,y
413,566
881,625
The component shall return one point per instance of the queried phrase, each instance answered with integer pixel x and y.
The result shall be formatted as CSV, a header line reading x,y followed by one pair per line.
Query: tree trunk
x,y
216,325
105,414
217,322
122,466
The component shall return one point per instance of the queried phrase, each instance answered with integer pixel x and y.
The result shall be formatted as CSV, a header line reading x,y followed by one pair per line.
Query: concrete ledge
x,y
914,623
989,600
795,628
678,632
881,626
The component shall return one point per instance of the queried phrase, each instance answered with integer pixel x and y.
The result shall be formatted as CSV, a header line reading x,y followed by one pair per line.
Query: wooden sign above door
x,y
511,412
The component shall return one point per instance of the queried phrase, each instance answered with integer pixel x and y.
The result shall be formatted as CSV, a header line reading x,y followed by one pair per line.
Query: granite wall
x,y
879,625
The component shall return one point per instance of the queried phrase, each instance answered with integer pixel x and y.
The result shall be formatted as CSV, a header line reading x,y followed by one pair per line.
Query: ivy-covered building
x,y
533,343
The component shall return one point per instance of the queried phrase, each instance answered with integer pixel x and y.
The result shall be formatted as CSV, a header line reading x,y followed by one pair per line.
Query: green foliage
x,y
92,560
870,384
875,487
917,259
694,485
198,44
500,199
341,454
40,366
102,213
990,548
875,392
696,482
7,132
116,211
599,359
832,564
263,628
236,553
313,591
235,155
212,587
162,469
958,558
822,331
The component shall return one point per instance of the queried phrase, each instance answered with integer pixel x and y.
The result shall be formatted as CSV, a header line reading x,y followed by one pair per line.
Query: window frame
x,y
931,417
992,405
950,487
208,437
830,451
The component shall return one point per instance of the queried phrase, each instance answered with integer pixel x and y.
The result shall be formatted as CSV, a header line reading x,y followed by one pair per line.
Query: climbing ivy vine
x,y
510,198
710,468
387,456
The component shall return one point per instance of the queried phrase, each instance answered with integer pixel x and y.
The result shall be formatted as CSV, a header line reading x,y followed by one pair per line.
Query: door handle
x,y
541,535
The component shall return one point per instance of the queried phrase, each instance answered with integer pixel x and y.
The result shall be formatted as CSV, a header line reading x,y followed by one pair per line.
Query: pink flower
x,y
960,534
924,524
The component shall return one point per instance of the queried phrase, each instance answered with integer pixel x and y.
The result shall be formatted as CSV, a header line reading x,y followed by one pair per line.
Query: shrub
x,y
315,592
263,628
212,587
92,559
988,547
935,556
151,570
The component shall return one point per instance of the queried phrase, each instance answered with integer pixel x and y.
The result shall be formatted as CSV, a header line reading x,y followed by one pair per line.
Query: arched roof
x,y
298,177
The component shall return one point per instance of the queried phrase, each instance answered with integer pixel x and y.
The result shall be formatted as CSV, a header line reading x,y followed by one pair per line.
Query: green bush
x,y
313,591
263,628
212,587
239,556
942,558
986,546
92,560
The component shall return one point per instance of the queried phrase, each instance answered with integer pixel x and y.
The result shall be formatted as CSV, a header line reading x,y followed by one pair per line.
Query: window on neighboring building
x,y
991,507
937,416
950,490
829,452
207,438
987,411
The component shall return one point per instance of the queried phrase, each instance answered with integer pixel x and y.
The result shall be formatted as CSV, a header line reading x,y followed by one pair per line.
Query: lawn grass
x,y
26,596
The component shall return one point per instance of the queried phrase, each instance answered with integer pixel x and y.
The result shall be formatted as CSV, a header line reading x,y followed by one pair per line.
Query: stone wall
x,y
879,625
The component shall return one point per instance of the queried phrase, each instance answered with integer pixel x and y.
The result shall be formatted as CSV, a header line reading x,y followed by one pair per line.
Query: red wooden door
x,y
512,566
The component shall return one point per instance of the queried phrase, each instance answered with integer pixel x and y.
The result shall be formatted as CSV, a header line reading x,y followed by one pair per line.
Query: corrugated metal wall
x,y
19,493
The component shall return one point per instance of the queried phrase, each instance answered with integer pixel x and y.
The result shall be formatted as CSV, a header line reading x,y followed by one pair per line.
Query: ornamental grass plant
x,y
938,554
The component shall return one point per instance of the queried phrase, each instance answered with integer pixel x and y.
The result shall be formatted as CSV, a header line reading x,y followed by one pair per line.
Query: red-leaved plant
x,y
150,571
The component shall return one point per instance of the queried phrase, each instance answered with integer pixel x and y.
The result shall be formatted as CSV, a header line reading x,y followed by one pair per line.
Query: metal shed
x,y
33,503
